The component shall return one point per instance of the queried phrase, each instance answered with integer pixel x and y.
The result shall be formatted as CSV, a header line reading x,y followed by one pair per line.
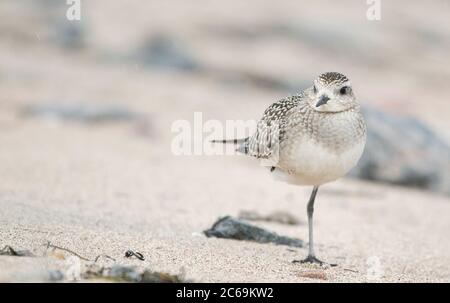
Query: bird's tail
x,y
230,141
241,143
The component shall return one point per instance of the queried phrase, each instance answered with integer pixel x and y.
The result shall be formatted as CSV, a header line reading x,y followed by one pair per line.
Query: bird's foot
x,y
313,260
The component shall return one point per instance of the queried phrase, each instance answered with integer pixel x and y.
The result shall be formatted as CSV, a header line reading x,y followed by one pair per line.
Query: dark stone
x,y
126,273
123,273
332,40
164,51
9,251
231,228
70,35
55,276
403,151
80,112
158,277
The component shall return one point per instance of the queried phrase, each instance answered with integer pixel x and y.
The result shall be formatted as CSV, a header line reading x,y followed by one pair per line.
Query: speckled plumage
x,y
292,122
332,78
271,128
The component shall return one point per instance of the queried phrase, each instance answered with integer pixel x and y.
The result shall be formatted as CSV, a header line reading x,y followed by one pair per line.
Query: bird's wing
x,y
270,129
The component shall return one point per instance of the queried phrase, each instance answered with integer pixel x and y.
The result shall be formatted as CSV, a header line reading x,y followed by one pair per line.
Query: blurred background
x,y
86,107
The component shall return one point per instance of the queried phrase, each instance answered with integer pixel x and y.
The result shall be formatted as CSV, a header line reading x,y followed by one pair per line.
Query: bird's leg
x,y
311,258
310,211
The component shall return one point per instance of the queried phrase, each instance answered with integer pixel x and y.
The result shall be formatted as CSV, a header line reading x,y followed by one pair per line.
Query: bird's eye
x,y
345,90
315,89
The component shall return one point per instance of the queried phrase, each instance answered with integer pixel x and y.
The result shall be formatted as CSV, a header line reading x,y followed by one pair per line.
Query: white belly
x,y
307,163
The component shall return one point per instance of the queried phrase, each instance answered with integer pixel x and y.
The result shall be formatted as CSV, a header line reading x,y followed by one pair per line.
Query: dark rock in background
x,y
335,41
69,35
230,228
241,78
167,52
80,112
403,151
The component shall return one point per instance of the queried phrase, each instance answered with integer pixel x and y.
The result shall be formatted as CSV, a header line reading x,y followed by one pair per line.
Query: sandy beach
x,y
106,198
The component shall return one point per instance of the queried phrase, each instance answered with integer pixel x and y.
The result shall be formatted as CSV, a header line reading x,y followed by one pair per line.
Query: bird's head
x,y
331,92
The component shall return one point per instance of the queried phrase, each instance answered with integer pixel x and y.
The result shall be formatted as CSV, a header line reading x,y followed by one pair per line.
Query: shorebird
x,y
311,138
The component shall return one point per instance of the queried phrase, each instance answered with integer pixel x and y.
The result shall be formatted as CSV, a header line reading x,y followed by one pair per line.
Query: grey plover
x,y
311,138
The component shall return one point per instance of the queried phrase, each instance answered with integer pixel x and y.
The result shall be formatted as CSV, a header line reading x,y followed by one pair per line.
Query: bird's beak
x,y
323,100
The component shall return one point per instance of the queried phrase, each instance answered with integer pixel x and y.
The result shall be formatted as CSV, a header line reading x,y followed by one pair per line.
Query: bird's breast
x,y
324,152
307,163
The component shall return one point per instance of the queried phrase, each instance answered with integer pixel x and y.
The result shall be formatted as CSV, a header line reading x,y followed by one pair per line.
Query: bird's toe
x,y
314,260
